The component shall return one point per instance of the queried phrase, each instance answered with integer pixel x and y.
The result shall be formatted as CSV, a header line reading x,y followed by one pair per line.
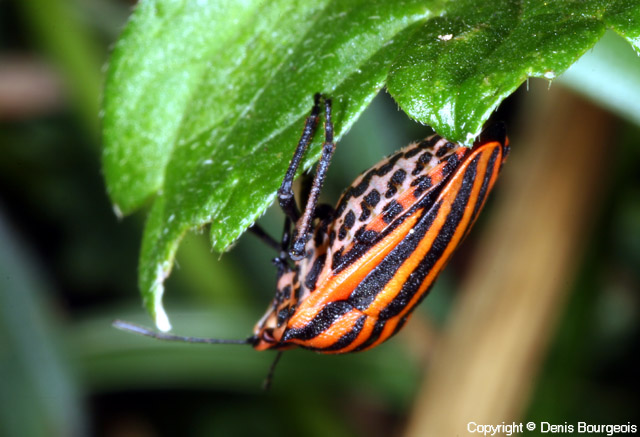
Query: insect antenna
x,y
266,385
137,329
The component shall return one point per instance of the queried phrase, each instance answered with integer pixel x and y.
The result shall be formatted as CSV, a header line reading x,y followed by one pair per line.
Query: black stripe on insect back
x,y
485,183
440,243
390,211
366,211
283,315
316,268
375,335
372,198
365,293
349,221
415,279
349,337
342,260
424,144
362,186
363,241
479,200
400,324
320,323
444,149
422,184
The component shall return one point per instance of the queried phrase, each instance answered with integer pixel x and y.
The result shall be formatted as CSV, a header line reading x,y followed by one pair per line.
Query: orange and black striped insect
x,y
350,277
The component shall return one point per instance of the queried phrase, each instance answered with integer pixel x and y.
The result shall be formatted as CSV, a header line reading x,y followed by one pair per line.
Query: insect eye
x,y
267,335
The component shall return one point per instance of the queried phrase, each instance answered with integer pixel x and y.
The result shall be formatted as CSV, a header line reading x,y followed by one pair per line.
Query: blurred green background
x,y
68,268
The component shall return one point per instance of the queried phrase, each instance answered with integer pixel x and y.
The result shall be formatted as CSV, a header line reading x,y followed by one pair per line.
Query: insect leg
x,y
286,198
266,385
306,182
281,260
324,212
266,238
282,247
328,147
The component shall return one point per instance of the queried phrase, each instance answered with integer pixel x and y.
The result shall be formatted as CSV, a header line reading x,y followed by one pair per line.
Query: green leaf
x,y
206,104
225,78
457,68
205,101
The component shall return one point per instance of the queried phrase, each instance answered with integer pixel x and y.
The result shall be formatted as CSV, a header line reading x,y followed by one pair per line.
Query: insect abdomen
x,y
370,299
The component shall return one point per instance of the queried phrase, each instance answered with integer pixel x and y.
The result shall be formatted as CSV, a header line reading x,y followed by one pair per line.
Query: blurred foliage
x,y
69,268
608,74
590,362
35,399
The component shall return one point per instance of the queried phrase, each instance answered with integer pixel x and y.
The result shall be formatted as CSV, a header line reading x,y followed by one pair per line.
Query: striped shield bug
x,y
350,277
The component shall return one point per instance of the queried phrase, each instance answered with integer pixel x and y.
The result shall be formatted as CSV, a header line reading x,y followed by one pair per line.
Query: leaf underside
x,y
204,101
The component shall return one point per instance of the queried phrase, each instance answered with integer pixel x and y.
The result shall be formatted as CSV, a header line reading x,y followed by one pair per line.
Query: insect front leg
x,y
281,260
286,197
302,235
266,238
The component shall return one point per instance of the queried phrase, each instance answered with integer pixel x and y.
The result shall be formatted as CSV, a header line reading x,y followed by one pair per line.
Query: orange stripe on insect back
x,y
393,287
387,331
488,149
329,336
449,194
407,199
340,286
449,197
396,283
377,225
365,333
